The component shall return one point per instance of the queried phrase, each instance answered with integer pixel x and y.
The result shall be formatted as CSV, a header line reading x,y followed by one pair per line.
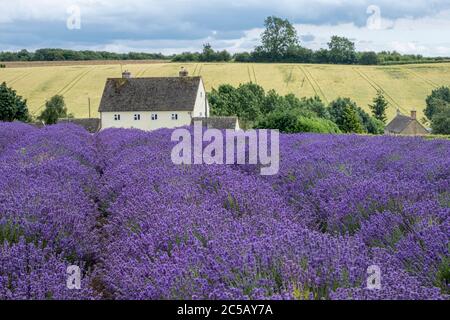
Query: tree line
x,y
290,114
257,108
72,55
279,43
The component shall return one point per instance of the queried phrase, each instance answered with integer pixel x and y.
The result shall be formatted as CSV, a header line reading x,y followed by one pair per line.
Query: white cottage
x,y
153,103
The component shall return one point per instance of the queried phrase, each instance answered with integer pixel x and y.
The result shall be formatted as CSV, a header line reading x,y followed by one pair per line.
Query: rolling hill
x,y
405,86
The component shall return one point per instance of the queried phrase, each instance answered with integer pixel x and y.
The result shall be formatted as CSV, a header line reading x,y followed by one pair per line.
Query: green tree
x,y
278,37
341,50
379,107
12,106
291,122
440,124
55,109
351,121
208,53
344,112
245,102
284,121
368,58
437,102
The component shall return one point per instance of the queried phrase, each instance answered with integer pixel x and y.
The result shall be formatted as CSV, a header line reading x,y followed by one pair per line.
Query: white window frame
x,y
137,117
117,117
154,117
174,116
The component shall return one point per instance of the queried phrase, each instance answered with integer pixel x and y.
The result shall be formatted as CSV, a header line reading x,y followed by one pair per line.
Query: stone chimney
x,y
414,115
126,74
184,72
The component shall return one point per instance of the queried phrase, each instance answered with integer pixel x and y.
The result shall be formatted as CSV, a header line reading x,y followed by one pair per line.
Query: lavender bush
x,y
143,228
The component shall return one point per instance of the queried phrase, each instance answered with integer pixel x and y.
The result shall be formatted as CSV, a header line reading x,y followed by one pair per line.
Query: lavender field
x,y
143,228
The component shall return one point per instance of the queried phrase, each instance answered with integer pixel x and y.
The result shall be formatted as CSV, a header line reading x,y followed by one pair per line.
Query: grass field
x,y
405,87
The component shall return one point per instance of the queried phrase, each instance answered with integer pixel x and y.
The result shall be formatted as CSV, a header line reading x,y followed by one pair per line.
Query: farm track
x,y
249,75
428,81
200,70
195,69
314,84
20,77
377,87
289,79
67,87
254,74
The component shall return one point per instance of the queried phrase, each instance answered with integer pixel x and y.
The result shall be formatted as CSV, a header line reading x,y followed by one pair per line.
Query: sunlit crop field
x,y
405,87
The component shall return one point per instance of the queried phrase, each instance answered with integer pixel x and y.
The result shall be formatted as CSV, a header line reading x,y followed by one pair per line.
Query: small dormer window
x,y
117,117
137,117
154,116
174,116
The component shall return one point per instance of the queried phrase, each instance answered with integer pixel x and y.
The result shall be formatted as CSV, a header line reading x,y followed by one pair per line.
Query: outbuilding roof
x,y
399,123
217,122
91,125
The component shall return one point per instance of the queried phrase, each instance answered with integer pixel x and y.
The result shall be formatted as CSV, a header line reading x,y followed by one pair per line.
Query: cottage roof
x,y
399,123
91,125
218,122
150,94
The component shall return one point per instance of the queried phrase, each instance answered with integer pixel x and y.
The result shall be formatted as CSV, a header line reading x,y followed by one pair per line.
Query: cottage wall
x,y
414,128
201,106
145,123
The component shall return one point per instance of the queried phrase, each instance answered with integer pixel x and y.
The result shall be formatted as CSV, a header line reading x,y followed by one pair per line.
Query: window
x,y
117,117
201,114
154,116
174,116
137,117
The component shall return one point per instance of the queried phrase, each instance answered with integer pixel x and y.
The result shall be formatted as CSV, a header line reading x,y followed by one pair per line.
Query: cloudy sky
x,y
172,26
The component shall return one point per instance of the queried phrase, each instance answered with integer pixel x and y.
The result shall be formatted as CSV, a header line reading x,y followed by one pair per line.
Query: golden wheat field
x,y
405,87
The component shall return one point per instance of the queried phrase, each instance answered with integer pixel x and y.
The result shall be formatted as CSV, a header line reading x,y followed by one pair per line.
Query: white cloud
x,y
414,26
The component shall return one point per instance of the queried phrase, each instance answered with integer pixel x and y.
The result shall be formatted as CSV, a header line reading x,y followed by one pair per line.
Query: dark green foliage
x,y
71,55
350,121
286,122
341,50
438,101
256,108
351,118
244,102
291,122
207,55
55,109
375,126
277,39
368,58
441,122
317,125
379,107
243,57
12,106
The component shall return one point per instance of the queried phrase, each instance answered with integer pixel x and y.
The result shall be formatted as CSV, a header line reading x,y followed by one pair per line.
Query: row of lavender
x,y
142,228
47,210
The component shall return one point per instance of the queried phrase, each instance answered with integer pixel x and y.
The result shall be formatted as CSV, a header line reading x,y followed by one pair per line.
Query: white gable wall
x,y
201,103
